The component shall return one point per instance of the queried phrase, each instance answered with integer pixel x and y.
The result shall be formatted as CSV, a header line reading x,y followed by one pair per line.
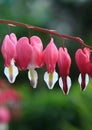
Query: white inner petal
x,y
61,83
33,77
86,80
68,80
4,126
80,79
68,83
50,79
11,73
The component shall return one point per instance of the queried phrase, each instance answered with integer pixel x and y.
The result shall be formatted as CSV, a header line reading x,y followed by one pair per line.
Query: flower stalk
x,y
52,32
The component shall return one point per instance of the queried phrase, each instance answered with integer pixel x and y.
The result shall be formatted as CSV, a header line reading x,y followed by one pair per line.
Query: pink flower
x,y
4,115
64,63
9,97
23,53
32,53
50,58
8,50
82,60
37,53
29,56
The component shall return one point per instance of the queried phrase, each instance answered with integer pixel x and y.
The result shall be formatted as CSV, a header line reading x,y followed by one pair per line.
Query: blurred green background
x,y
44,109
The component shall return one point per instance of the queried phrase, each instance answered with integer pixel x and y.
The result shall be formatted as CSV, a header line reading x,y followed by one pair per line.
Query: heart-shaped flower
x,y
82,58
8,50
29,55
50,55
64,63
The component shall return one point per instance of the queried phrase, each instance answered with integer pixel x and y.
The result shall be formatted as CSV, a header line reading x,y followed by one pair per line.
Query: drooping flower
x,y
23,53
50,55
64,63
5,117
82,61
8,50
29,56
10,97
37,52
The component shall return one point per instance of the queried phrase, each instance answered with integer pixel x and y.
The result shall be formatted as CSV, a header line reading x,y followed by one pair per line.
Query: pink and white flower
x,y
8,50
29,56
82,58
64,63
4,118
50,55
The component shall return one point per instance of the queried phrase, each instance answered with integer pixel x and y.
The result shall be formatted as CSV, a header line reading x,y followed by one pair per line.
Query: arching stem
x,y
52,32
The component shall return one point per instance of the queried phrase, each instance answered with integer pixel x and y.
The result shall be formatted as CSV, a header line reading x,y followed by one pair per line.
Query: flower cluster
x,y
28,54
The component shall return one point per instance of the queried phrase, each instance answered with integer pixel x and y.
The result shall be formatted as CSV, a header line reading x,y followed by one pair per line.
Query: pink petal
x,y
4,115
82,59
13,38
36,59
8,49
64,62
23,53
50,56
36,41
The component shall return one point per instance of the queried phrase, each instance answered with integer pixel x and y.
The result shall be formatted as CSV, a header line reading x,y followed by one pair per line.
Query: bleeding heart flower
x,y
31,56
64,63
82,60
5,117
37,54
50,58
23,53
8,50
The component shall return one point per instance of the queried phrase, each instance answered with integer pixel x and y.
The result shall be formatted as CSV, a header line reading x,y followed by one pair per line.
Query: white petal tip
x,y
65,84
83,80
33,77
33,84
11,73
50,79
4,126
